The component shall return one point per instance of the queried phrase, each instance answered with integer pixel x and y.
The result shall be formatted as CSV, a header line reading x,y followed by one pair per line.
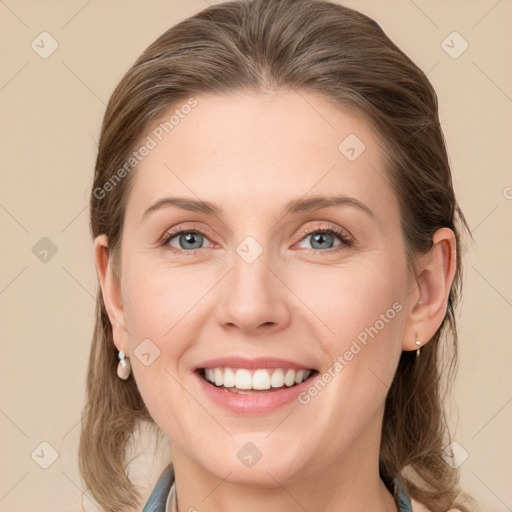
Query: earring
x,y
124,366
418,342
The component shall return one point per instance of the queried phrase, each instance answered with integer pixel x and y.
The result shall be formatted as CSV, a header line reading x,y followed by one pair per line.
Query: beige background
x,y
51,114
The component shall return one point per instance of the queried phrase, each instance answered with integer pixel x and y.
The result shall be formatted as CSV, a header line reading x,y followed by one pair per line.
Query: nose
x,y
253,297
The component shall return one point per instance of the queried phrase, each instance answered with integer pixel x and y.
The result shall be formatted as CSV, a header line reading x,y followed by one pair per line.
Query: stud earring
x,y
124,366
418,342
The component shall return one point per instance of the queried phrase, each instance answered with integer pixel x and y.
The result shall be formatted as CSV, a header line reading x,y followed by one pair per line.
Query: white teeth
x,y
229,378
260,379
243,379
219,377
289,378
277,380
301,376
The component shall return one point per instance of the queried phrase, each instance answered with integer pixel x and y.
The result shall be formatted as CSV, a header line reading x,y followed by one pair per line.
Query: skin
x,y
250,154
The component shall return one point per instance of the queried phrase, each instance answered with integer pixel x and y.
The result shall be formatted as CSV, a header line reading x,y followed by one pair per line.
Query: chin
x,y
263,474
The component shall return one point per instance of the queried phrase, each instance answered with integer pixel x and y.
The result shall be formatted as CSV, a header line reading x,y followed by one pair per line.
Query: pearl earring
x,y
418,342
124,366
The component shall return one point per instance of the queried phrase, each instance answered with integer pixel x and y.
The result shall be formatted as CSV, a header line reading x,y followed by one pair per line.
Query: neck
x,y
349,481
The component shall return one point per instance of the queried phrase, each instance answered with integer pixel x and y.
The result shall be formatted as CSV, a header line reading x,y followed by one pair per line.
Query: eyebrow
x,y
293,206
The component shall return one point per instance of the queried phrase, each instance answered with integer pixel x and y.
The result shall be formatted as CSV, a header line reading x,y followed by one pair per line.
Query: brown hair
x,y
302,45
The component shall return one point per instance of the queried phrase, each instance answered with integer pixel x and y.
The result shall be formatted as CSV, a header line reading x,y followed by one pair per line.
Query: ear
x,y
111,291
434,277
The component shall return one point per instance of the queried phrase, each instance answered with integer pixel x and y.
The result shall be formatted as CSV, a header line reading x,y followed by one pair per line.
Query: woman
x,y
276,238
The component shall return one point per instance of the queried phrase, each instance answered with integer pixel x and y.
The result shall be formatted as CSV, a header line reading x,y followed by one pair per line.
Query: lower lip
x,y
255,403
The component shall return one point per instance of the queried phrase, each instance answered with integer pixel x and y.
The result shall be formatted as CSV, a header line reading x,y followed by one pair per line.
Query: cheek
x,y
359,318
159,303
362,314
362,317
357,301
163,298
160,322
164,312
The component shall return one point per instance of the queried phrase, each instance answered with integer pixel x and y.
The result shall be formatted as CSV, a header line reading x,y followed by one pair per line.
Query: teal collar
x,y
401,495
158,498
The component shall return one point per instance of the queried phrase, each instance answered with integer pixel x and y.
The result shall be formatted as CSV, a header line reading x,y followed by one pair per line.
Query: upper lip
x,y
257,362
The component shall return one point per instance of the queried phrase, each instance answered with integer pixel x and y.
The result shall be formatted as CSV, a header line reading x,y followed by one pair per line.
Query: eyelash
x,y
346,241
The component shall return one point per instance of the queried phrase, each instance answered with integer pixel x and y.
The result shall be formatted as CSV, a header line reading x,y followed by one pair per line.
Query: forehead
x,y
257,149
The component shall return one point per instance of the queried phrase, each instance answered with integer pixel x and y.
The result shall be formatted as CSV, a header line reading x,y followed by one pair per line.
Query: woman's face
x,y
262,287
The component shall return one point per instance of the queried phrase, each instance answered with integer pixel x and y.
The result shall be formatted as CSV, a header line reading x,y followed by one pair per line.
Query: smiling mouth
x,y
251,381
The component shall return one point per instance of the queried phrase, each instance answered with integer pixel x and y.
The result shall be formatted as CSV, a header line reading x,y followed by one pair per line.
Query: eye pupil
x,y
320,237
190,238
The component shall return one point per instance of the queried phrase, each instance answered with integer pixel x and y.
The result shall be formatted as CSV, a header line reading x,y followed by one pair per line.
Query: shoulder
x,y
83,503
418,507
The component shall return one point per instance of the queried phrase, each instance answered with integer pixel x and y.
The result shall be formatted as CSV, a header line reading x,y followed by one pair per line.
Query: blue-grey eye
x,y
325,239
187,240
320,240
